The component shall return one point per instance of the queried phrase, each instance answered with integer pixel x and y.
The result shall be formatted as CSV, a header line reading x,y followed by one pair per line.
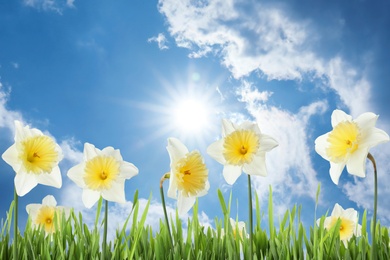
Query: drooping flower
x,y
241,149
34,157
44,214
188,176
349,142
102,173
349,222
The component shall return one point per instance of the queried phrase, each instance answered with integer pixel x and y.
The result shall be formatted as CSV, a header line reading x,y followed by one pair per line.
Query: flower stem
x,y
104,246
163,178
250,218
373,228
15,247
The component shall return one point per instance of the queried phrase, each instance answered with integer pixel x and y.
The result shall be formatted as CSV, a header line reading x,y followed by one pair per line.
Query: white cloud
x,y
290,171
161,41
258,37
50,5
7,117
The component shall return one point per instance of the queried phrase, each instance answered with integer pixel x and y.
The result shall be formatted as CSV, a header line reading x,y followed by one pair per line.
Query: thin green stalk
x,y
104,246
15,247
250,217
373,227
164,177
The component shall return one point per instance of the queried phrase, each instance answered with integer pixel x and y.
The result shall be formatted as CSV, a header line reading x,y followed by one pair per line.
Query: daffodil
x,y
44,214
34,157
349,222
241,149
238,228
102,173
349,142
188,176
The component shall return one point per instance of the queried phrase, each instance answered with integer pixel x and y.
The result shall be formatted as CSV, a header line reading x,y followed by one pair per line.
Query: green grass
x,y
73,239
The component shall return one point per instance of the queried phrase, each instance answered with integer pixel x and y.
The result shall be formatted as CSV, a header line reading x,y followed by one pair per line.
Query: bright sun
x,y
191,116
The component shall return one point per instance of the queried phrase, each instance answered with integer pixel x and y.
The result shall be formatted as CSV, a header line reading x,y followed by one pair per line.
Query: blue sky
x,y
117,74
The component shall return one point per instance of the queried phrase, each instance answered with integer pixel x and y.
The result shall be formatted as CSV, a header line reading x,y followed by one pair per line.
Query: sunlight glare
x,y
191,116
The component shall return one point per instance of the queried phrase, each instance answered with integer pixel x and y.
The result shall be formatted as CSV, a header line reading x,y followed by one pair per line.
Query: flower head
x,y
44,214
34,157
238,228
242,148
349,222
102,173
188,175
348,143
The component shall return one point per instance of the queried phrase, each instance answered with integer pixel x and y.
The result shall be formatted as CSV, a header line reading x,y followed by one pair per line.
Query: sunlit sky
x,y
130,74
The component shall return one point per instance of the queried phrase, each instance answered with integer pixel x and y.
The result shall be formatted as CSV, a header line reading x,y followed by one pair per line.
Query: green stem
x,y
373,228
250,217
15,247
165,176
104,246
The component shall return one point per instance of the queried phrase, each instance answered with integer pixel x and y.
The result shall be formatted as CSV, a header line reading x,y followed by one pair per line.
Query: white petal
x,y
90,197
90,151
351,214
339,116
231,173
337,211
257,166
172,190
215,150
116,193
327,222
11,157
49,200
321,144
32,210
21,132
128,170
24,183
53,179
176,149
356,164
267,143
366,120
335,171
59,151
248,125
373,137
76,174
184,204
227,127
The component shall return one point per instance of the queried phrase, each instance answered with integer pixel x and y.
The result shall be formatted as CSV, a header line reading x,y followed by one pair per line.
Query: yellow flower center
x,y
100,172
191,174
240,146
38,154
45,217
347,227
343,140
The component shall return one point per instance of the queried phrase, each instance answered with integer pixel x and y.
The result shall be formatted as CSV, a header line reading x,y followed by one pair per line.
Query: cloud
x,y
50,5
7,117
290,170
161,41
263,38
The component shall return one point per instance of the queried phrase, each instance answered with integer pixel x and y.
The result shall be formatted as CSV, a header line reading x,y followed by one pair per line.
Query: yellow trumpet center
x,y
45,217
191,174
347,227
240,146
100,172
343,140
38,154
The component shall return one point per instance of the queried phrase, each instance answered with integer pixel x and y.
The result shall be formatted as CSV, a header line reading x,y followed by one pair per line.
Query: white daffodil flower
x,y
241,149
102,173
349,142
349,222
238,227
34,157
43,214
188,176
